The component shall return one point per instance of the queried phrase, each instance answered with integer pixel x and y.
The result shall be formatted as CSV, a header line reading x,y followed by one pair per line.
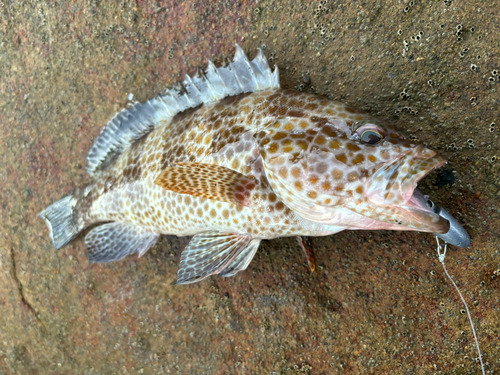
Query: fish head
x,y
354,174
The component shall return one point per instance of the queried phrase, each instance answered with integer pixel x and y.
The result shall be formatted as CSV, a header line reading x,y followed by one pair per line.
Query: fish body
x,y
232,159
161,174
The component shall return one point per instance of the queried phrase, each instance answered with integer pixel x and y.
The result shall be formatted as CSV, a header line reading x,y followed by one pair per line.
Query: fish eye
x,y
370,134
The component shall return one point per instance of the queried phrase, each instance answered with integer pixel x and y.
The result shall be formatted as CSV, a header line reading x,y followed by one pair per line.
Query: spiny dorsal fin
x,y
208,181
128,125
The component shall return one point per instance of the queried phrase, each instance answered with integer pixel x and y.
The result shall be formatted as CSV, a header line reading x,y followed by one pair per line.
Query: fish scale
x,y
232,159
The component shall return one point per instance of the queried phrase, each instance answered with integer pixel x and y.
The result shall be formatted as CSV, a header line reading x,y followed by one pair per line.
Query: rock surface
x,y
378,301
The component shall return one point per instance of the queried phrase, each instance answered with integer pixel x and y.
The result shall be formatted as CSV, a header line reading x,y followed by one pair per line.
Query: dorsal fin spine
x,y
242,56
169,103
165,107
202,84
239,76
191,89
242,69
261,62
215,80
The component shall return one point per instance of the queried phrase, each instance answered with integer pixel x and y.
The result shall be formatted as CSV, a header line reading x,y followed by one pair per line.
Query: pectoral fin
x,y
207,181
213,253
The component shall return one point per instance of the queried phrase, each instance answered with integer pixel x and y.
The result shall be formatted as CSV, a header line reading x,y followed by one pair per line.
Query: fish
x,y
231,158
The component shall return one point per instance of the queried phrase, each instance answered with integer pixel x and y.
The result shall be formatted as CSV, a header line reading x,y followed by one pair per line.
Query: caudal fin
x,y
62,220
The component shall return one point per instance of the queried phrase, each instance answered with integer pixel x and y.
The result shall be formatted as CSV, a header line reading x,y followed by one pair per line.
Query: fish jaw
x,y
391,194
396,180
407,217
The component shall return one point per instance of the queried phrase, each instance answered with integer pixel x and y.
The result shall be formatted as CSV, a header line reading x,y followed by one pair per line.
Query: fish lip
x,y
391,182
438,162
415,201
394,183
420,156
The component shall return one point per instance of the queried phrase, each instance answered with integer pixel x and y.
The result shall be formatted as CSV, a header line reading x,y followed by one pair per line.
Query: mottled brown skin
x,y
210,134
247,134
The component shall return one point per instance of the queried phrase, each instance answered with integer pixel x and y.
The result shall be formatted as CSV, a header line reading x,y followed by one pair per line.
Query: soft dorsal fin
x,y
238,77
207,181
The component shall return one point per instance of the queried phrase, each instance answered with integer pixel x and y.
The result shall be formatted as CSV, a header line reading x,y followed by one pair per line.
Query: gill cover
x,y
301,167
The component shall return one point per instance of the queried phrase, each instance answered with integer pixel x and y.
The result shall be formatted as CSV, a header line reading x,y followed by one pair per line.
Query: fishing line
x,y
441,257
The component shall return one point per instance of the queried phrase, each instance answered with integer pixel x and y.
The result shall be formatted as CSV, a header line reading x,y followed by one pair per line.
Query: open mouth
x,y
418,212
394,186
420,215
419,169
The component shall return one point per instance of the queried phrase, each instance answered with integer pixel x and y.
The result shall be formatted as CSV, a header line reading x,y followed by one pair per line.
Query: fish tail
x,y
63,220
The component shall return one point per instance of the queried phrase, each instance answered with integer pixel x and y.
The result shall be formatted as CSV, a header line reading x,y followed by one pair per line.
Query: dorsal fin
x,y
128,125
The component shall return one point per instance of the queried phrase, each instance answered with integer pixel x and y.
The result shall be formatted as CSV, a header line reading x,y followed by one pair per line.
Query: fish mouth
x,y
393,186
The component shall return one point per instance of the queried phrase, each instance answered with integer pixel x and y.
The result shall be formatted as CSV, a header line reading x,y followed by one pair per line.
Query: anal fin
x,y
213,253
208,181
114,241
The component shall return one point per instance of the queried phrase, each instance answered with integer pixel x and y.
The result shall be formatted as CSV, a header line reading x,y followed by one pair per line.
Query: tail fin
x,y
62,220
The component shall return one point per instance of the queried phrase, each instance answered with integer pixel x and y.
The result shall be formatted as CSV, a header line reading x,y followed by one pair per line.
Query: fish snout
x,y
422,152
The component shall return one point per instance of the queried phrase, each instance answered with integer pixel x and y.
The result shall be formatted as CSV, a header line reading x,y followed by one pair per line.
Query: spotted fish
x,y
231,158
